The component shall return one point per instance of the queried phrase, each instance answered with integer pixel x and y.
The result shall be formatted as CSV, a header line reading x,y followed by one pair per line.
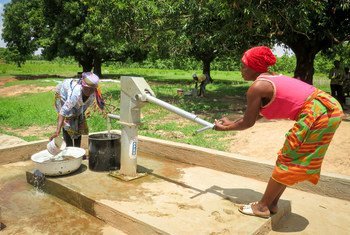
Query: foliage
x,y
2,53
340,52
170,32
204,30
22,25
285,63
90,31
307,27
323,64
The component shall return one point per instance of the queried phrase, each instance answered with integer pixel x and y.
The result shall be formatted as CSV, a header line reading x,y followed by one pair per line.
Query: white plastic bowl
x,y
56,145
45,165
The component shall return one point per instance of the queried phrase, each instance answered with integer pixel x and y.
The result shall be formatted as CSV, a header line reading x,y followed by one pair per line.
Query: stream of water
x,y
109,127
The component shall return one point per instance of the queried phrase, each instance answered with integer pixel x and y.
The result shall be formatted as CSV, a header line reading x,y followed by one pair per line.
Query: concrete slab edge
x,y
21,152
110,216
332,185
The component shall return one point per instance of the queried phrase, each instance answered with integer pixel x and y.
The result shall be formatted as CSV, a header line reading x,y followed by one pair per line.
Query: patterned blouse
x,y
70,103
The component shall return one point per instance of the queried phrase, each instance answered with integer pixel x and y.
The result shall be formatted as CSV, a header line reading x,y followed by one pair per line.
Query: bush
x,y
285,64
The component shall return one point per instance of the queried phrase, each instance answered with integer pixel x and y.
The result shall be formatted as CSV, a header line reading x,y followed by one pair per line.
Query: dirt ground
x,y
262,141
19,89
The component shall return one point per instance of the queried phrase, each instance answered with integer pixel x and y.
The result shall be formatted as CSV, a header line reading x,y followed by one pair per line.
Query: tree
x,y
91,31
22,24
206,30
307,27
76,28
229,27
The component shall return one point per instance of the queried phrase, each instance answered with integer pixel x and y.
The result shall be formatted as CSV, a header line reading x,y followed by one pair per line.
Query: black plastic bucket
x,y
104,152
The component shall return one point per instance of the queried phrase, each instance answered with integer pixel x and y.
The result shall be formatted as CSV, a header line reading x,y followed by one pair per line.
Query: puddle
x,y
28,210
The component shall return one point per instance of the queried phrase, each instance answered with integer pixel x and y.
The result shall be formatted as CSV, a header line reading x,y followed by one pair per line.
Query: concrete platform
x,y
174,198
321,209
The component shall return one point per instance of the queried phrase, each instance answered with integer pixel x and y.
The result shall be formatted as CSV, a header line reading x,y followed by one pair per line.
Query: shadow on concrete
x,y
142,169
292,223
235,195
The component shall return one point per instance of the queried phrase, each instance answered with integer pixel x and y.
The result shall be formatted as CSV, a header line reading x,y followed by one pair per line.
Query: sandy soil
x,y
262,141
265,138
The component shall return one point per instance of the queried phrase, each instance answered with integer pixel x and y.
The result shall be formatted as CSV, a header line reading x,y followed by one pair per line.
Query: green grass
x,y
27,110
20,112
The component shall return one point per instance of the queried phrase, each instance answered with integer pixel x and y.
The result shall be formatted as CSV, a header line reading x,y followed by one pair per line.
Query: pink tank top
x,y
289,97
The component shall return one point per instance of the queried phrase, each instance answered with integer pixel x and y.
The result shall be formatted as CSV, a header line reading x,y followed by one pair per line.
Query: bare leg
x,y
201,89
273,192
273,207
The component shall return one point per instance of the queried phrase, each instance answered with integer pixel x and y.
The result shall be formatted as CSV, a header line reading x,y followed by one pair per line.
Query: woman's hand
x,y
222,124
56,134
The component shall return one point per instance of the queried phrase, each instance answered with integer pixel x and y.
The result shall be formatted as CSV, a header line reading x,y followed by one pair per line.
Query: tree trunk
x,y
305,52
87,66
86,61
304,69
98,67
206,66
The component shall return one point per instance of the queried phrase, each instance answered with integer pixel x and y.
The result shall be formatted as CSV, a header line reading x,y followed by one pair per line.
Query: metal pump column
x,y
130,114
135,93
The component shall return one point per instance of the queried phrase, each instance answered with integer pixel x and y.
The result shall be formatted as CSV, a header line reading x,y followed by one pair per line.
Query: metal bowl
x,y
49,165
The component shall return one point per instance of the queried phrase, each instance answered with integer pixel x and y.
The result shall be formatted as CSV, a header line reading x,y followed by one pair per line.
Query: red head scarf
x,y
259,58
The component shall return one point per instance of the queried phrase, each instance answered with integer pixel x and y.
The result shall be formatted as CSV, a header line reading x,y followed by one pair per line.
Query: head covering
x,y
89,79
259,58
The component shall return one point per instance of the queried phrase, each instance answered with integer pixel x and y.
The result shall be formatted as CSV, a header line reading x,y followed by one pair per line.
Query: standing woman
x,y
72,99
336,75
317,116
203,79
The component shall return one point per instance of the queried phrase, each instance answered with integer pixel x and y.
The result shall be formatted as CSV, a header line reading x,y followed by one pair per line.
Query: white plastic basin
x,y
47,166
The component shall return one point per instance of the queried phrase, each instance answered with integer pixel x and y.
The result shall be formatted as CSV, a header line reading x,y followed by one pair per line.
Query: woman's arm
x,y
60,120
258,90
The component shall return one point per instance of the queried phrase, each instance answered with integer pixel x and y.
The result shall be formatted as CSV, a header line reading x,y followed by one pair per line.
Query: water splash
x,y
38,180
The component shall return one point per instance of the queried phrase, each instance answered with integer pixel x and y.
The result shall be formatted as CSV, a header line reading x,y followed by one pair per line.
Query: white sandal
x,y
248,210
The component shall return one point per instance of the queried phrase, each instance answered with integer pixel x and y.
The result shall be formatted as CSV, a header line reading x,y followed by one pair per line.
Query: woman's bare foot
x,y
255,209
